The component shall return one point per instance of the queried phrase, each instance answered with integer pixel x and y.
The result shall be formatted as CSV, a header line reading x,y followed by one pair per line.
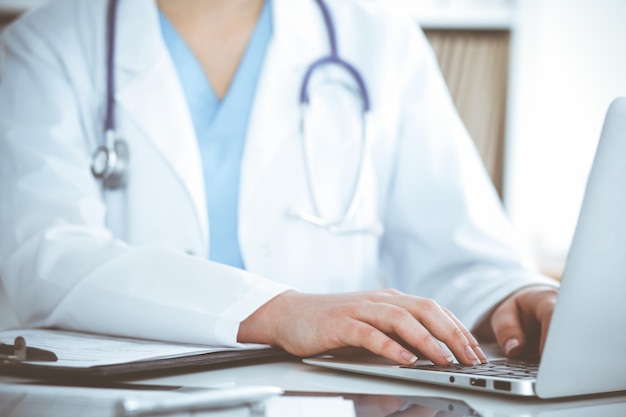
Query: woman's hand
x,y
379,321
520,323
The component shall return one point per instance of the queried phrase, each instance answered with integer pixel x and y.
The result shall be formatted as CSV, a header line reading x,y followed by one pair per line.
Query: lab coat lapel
x,y
299,38
148,90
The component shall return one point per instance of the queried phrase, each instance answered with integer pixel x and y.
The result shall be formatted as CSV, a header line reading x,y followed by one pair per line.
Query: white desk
x,y
385,394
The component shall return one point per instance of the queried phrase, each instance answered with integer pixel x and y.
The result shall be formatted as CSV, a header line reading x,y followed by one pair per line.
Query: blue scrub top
x,y
221,129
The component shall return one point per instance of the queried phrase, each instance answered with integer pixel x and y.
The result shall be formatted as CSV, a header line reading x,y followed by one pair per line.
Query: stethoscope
x,y
110,161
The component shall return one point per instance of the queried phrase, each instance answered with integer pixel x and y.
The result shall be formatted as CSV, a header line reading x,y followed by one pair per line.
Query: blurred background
x,y
532,80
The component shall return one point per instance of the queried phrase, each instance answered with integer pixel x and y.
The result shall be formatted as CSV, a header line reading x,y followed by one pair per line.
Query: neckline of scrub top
x,y
221,129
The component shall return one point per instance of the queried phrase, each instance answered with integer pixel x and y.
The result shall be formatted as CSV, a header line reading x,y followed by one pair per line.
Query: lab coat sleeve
x,y
59,264
448,237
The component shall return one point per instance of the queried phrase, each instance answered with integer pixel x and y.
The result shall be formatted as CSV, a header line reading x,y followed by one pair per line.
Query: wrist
x,y
263,325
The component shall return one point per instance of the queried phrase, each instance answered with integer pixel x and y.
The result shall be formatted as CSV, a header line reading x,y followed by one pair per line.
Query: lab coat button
x,y
190,252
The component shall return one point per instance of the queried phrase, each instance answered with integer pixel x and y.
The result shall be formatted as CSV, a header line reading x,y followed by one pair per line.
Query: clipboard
x,y
90,356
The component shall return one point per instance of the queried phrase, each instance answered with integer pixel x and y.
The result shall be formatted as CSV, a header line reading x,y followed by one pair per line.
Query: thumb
x,y
506,323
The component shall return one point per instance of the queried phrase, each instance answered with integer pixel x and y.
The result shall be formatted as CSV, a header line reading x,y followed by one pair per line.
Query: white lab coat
x,y
134,262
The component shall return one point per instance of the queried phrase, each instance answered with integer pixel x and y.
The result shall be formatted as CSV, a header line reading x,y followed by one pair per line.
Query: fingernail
x,y
481,355
445,353
510,345
471,356
408,356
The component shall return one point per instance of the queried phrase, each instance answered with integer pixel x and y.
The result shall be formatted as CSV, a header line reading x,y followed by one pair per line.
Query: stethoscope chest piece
x,y
109,164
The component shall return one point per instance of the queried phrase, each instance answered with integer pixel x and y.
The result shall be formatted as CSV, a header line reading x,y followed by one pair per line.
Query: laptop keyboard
x,y
499,368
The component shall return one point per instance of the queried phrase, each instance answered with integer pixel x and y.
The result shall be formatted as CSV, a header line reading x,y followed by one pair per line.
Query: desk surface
x,y
381,395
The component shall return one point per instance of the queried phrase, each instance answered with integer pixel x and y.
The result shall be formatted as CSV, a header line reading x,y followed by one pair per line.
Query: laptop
x,y
585,349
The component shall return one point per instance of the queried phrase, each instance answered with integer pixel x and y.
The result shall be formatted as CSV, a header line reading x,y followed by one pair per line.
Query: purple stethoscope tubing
x,y
343,224
109,120
109,163
333,59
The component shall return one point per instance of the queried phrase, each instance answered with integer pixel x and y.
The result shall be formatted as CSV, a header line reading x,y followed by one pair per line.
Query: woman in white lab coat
x,y
136,261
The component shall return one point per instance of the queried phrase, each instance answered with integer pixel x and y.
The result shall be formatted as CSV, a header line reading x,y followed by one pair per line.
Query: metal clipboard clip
x,y
19,352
